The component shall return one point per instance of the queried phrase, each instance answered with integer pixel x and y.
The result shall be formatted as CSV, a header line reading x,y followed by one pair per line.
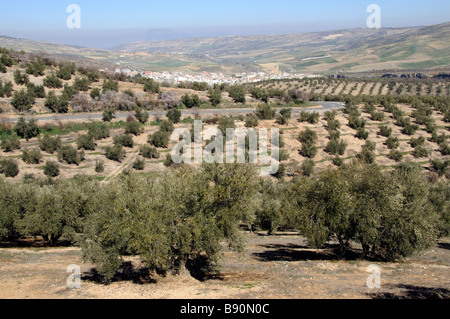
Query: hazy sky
x,y
108,23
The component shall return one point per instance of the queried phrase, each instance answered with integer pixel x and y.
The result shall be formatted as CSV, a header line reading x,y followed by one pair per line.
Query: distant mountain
x,y
352,50
343,50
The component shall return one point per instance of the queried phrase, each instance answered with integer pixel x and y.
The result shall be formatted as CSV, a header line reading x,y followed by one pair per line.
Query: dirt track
x,y
274,267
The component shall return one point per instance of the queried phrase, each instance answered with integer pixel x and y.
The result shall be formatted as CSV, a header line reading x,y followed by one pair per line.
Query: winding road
x,y
320,107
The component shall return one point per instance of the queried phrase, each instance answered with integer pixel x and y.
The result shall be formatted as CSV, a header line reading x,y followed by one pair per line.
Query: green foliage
x,y
95,94
51,169
215,97
31,156
160,139
50,144
393,143
142,116
36,68
308,136
134,128
284,116
99,131
335,147
265,112
251,121
66,71
36,91
115,153
99,166
226,123
385,131
149,152
313,118
166,126
126,140
86,142
139,164
21,78
108,115
52,82
395,155
26,130
143,217
110,85
174,115
57,104
390,215
237,93
9,167
308,167
69,155
10,144
22,100
151,86
420,152
191,101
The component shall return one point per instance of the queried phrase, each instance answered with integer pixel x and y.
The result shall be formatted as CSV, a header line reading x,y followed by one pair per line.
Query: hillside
x,y
344,50
353,50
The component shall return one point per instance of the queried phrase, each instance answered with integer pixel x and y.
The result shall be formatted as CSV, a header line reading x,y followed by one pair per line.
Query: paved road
x,y
321,107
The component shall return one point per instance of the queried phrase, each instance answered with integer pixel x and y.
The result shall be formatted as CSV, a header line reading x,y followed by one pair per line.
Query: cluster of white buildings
x,y
211,78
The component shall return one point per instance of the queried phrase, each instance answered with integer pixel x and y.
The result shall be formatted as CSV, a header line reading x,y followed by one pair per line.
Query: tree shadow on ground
x,y
127,272
444,246
291,253
413,292
32,242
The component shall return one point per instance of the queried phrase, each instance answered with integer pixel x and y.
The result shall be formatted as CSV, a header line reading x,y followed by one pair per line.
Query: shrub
x,y
237,93
115,153
149,152
265,112
440,166
9,168
385,131
168,162
174,115
50,144
99,166
377,116
99,131
133,128
51,169
338,161
226,123
31,156
70,155
10,144
251,121
395,155
410,129
86,142
160,139
139,164
362,134
108,115
308,136
52,82
22,101
20,78
335,147
26,130
444,148
95,94
191,101
367,156
308,150
311,118
142,116
166,126
126,140
284,116
308,167
417,141
392,143
420,152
